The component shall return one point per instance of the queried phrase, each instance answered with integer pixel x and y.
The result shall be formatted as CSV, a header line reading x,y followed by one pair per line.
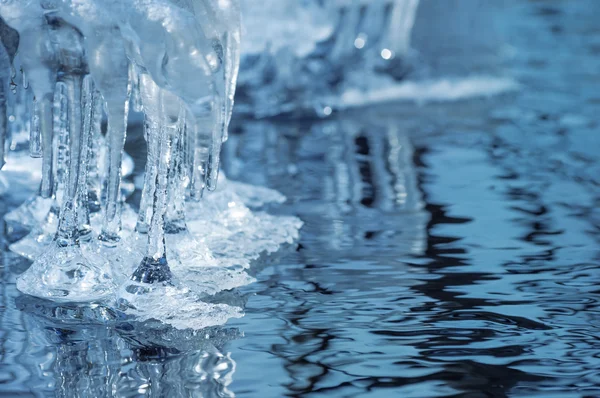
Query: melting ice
x,y
67,66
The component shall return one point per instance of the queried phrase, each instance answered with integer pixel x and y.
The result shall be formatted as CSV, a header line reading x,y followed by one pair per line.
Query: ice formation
x,y
315,57
85,61
310,51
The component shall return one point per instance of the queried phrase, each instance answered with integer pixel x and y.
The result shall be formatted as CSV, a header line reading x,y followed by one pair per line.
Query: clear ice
x,y
68,66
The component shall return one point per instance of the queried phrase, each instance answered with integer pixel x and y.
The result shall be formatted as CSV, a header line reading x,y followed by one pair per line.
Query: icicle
x,y
5,64
134,78
210,126
24,79
199,163
65,271
96,146
3,123
42,67
40,212
67,227
188,147
146,208
117,97
61,133
178,176
46,129
214,153
231,43
156,239
228,50
54,119
154,267
35,132
150,124
84,230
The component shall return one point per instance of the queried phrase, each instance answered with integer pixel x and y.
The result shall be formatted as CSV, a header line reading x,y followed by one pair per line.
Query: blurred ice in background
x,y
312,57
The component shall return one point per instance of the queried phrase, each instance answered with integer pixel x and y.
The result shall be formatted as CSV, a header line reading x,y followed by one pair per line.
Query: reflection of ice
x,y
91,349
358,174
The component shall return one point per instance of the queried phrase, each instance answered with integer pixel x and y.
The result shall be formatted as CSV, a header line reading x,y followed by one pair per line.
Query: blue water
x,y
449,249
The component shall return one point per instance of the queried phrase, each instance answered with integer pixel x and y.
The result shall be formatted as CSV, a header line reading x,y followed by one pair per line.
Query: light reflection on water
x,y
448,250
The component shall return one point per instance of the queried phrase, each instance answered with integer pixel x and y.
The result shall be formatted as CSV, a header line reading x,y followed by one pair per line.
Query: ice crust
x,y
231,237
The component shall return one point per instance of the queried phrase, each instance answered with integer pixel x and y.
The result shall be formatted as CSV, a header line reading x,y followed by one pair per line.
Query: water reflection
x,y
355,183
87,351
354,179
449,250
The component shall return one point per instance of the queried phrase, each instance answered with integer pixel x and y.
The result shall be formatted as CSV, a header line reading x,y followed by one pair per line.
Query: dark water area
x,y
449,249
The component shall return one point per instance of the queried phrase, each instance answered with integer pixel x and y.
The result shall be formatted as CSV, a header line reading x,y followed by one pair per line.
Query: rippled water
x,y
448,250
